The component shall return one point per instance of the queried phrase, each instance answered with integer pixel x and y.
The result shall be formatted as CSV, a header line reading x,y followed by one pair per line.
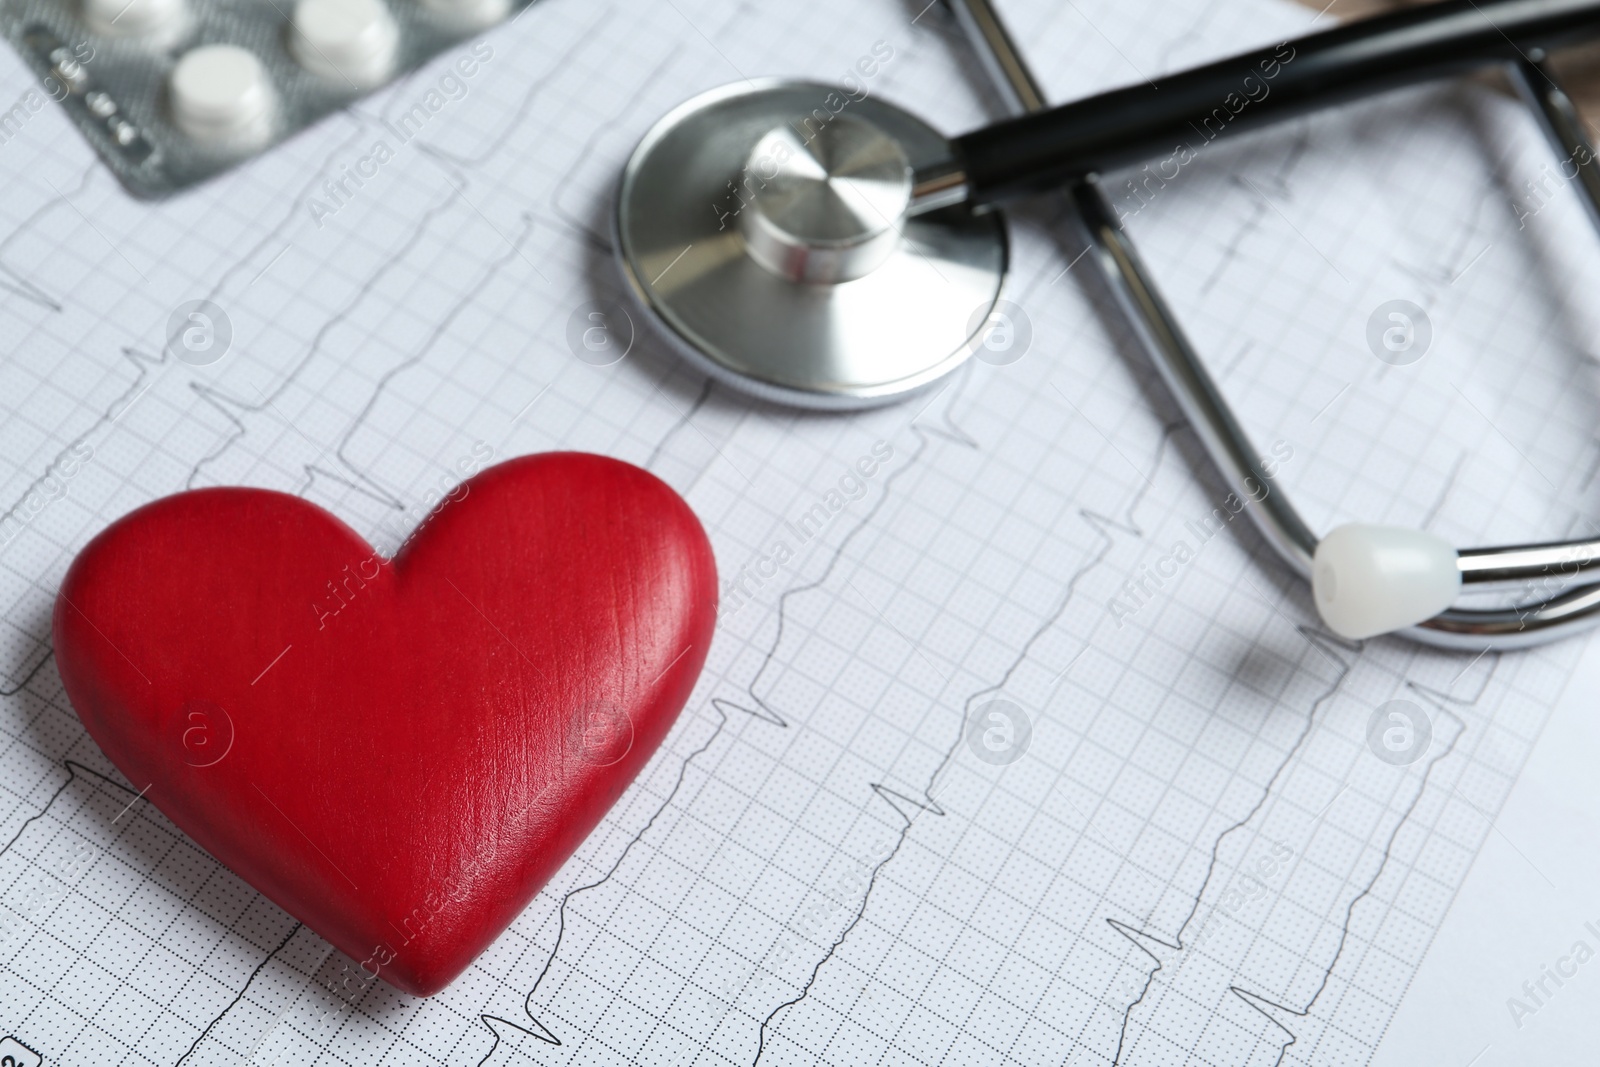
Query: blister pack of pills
x,y
171,92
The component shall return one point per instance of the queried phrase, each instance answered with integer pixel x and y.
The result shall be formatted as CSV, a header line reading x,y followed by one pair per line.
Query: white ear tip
x,y
1369,580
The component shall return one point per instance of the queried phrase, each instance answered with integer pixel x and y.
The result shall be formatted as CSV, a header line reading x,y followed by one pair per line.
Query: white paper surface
x,y
1508,979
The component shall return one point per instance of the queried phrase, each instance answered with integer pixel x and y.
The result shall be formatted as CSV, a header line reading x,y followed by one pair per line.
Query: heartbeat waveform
x,y
1143,939
761,711
601,239
1163,64
294,211
462,303
231,407
348,473
1261,1003
1299,144
78,772
295,929
907,806
542,1032
959,436
145,364
1465,240
142,363
911,808
683,421
1138,938
15,281
73,768
557,64
29,676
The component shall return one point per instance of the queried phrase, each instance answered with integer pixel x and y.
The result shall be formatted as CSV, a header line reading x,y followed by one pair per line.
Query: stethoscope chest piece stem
x,y
768,232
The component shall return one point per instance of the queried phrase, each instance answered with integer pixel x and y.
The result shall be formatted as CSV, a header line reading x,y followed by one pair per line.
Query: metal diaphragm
x,y
740,191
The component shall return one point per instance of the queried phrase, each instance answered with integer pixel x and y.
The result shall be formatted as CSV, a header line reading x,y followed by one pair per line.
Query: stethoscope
x,y
832,253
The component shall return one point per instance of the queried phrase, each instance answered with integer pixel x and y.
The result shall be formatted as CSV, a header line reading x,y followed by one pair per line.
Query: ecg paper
x,y
1198,859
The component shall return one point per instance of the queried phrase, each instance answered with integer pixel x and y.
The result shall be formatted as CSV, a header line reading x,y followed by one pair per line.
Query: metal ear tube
x,y
862,261
1366,560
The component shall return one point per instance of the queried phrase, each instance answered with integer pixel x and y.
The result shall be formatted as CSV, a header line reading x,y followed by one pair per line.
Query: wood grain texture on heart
x,y
398,753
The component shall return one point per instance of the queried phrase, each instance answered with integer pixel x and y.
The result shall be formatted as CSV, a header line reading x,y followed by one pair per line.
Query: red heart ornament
x,y
398,753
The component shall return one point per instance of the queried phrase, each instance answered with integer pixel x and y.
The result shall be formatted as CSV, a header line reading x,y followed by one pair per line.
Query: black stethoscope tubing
x,y
1048,149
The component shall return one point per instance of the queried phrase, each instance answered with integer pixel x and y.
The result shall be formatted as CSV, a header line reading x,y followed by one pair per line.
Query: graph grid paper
x,y
1198,860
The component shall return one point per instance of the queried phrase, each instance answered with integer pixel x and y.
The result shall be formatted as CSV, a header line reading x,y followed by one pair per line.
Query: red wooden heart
x,y
400,754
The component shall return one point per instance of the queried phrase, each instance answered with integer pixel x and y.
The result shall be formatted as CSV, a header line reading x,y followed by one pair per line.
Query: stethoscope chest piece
x,y
824,251
768,232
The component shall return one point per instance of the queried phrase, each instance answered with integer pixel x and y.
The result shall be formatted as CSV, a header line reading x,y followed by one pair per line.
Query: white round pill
x,y
348,41
221,95
159,19
469,14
